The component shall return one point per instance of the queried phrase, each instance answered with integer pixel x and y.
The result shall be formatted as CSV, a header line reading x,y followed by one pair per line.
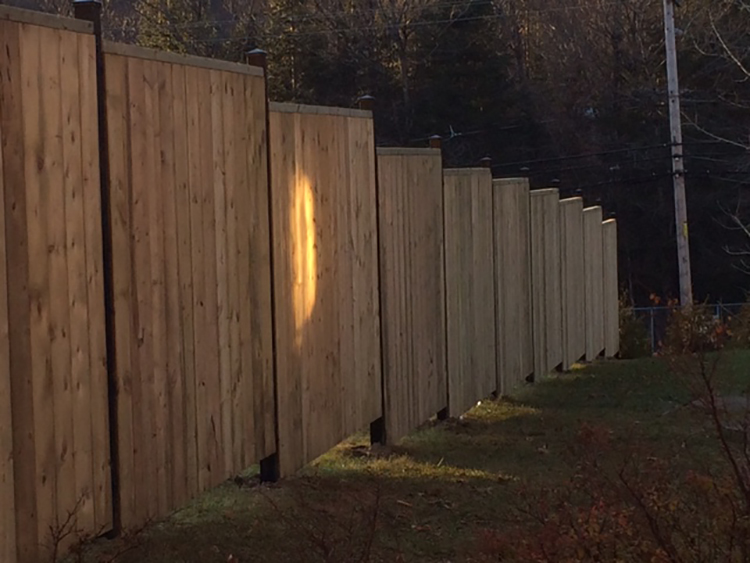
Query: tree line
x,y
571,93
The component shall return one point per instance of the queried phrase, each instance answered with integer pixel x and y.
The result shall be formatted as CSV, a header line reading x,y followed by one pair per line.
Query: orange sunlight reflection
x,y
304,259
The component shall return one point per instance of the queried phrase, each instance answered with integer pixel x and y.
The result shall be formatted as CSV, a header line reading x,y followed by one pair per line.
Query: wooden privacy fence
x,y
191,275
412,285
469,288
594,281
546,280
326,278
54,438
202,284
573,281
515,344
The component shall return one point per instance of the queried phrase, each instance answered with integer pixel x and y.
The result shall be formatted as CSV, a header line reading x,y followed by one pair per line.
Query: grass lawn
x,y
429,498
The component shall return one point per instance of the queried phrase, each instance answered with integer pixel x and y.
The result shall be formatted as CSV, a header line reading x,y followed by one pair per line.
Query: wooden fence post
x,y
269,466
91,10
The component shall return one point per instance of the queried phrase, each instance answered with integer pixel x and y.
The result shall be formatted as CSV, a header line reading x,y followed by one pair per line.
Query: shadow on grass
x,y
427,498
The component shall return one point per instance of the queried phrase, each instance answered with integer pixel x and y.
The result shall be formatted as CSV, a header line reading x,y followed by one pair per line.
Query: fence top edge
x,y
511,182
407,151
609,222
467,171
545,192
32,17
135,51
285,107
572,201
593,209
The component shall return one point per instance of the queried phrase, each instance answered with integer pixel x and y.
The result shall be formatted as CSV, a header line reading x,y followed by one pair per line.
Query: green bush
x,y
634,337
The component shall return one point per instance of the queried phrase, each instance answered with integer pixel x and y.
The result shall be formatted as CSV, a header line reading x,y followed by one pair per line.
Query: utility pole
x,y
678,163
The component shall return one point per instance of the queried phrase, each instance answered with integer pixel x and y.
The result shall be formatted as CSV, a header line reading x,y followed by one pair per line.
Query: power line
x,y
339,30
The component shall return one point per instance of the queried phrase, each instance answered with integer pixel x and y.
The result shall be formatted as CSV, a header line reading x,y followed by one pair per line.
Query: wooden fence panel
x,y
546,280
326,278
515,348
611,289
413,287
52,238
469,288
191,274
594,282
573,279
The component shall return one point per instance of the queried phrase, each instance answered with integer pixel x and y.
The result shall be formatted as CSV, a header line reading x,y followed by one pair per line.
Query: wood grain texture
x,y
594,282
326,281
511,213
611,289
573,290
469,288
412,289
7,481
192,279
54,367
546,281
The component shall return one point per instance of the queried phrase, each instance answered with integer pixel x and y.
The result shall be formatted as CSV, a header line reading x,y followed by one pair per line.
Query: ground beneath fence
x,y
450,491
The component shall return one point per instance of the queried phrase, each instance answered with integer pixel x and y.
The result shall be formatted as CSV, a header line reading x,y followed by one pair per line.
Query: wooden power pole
x,y
678,163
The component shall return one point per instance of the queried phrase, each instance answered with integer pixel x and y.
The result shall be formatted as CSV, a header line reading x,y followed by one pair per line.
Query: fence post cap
x,y
486,162
366,102
436,141
256,57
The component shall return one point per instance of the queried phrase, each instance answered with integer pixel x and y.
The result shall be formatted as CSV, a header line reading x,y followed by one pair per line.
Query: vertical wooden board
x,y
245,166
365,281
215,460
433,237
7,482
92,204
458,373
524,284
502,194
198,281
117,89
387,281
346,232
152,310
538,284
260,252
141,164
232,87
224,404
553,296
483,266
611,290
173,445
81,458
594,283
183,136
318,345
18,110
283,134
158,76
47,322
